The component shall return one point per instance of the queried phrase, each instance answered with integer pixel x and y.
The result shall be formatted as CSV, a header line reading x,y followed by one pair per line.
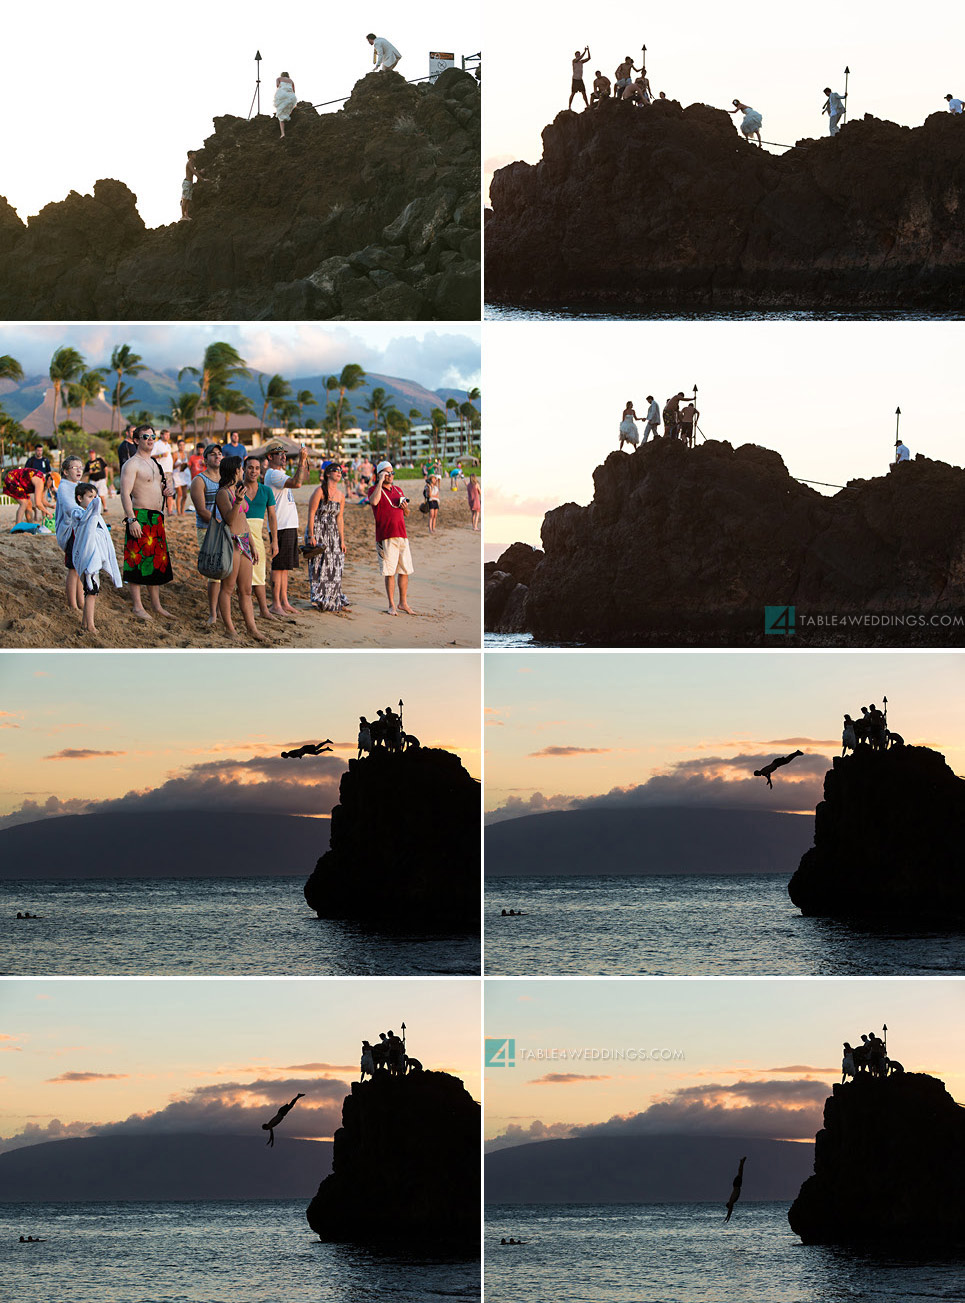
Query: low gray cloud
x,y
570,751
89,1076
517,1135
71,753
564,1078
726,782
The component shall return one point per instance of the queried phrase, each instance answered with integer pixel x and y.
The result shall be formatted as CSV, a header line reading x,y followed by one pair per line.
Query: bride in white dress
x,y
628,430
285,100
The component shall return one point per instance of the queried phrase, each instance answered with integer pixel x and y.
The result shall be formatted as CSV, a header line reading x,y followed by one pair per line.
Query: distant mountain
x,y
164,844
645,1169
164,1167
672,839
154,390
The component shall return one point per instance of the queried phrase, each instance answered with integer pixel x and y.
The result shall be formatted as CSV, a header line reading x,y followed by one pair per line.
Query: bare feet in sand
x,y
407,608
140,614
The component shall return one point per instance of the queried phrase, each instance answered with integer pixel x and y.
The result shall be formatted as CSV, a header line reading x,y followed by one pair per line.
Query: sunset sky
x,y
691,727
902,63
128,99
437,356
174,732
136,1056
822,394
759,1056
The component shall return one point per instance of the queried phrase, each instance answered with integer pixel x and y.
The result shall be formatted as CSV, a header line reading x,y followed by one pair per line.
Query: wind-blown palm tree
x,y
183,409
290,414
352,377
124,362
228,401
222,363
10,369
305,398
277,391
398,428
439,422
379,400
89,388
65,366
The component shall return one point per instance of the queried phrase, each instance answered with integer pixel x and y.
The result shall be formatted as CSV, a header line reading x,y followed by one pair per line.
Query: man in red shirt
x,y
391,507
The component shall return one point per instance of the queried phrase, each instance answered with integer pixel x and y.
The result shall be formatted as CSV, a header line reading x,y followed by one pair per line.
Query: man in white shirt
x,y
386,55
286,513
834,107
163,454
954,104
577,86
901,452
653,418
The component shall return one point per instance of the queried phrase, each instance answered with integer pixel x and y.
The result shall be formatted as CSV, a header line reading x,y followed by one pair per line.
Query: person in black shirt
x,y
95,472
126,448
38,462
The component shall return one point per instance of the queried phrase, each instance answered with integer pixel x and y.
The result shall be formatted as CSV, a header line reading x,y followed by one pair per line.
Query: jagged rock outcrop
x,y
887,1166
405,1164
370,213
506,588
688,546
403,844
889,839
668,209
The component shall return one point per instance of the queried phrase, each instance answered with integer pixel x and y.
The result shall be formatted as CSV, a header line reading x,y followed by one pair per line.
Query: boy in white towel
x,y
71,469
93,550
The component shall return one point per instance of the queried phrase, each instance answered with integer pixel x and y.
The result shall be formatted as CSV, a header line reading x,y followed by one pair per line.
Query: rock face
x,y
696,218
689,545
506,588
889,839
404,842
371,213
887,1166
405,1164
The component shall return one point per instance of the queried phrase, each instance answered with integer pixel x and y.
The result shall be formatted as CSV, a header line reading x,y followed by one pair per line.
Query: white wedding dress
x,y
285,101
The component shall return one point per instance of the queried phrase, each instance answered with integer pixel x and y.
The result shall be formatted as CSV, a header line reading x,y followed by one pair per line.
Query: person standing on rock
x,y
622,76
671,415
391,507
285,100
386,56
628,430
577,86
146,560
954,104
686,423
834,107
752,123
849,739
191,174
653,418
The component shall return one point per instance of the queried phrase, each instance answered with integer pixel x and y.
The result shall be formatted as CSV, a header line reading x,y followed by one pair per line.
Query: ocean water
x,y
218,1252
511,312
686,925
238,927
658,1253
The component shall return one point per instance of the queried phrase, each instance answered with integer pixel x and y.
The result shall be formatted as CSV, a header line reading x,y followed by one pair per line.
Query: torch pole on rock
x,y
884,1029
403,1025
847,74
256,98
897,423
643,71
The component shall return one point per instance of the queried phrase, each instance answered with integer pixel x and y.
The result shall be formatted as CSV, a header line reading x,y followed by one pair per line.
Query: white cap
x,y
383,466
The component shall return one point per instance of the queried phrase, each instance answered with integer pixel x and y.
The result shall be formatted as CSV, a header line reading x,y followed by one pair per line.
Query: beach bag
x,y
217,554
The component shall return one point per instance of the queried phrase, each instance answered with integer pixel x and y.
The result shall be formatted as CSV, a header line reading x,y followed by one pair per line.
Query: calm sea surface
x,y
655,1253
687,925
254,1252
205,927
506,312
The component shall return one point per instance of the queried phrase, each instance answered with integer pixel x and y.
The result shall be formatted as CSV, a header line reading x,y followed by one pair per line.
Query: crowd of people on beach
x,y
249,534
678,422
389,1056
870,1057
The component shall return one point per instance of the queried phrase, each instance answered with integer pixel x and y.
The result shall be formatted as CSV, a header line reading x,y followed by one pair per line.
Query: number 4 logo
x,y
779,619
500,1053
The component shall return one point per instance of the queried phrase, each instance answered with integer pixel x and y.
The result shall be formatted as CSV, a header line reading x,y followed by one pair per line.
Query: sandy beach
x,y
444,590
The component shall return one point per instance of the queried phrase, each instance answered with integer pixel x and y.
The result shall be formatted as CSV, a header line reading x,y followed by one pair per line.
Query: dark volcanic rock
x,y
887,1166
506,589
405,1164
889,839
689,545
670,209
370,213
404,842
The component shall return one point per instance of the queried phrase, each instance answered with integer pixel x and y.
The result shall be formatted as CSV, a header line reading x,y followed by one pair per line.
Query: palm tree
x,y
230,402
398,428
88,390
143,417
278,391
10,369
379,400
439,422
352,377
124,397
183,408
290,413
223,363
305,399
124,362
65,366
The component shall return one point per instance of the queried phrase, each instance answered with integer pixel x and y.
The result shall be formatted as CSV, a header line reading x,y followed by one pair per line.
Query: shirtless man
x,y
671,415
622,76
146,560
735,1193
601,88
576,85
776,764
280,1117
191,174
687,418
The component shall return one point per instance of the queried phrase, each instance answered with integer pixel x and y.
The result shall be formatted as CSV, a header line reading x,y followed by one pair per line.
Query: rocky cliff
x,y
889,839
404,842
686,546
370,213
405,1164
665,209
887,1166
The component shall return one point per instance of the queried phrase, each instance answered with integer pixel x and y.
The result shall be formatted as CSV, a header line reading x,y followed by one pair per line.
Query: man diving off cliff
x,y
280,1117
735,1193
776,764
309,749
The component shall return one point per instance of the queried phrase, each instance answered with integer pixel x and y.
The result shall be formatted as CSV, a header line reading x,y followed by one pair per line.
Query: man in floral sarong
x,y
146,560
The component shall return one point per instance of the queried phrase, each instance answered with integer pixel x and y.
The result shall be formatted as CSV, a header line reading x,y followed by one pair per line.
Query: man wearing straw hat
x,y
391,507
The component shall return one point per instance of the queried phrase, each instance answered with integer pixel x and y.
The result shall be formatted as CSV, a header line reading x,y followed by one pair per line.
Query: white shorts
x,y
394,557
101,487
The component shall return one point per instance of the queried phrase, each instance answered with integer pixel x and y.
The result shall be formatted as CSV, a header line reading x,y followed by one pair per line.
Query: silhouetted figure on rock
x,y
365,737
412,1065
849,738
368,1061
848,1068
776,764
735,1193
309,749
280,1117
751,123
